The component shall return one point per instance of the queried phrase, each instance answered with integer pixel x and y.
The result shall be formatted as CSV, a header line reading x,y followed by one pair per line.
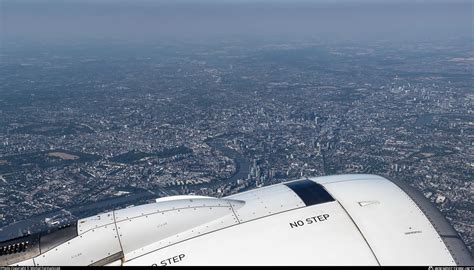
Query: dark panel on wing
x,y
55,238
310,192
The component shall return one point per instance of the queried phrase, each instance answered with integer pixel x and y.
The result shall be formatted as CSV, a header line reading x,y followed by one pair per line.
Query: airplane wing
x,y
356,219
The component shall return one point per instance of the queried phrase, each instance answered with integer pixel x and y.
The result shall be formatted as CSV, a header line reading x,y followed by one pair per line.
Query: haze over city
x,y
106,104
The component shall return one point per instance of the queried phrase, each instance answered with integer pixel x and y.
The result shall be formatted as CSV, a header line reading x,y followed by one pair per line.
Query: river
x,y
88,209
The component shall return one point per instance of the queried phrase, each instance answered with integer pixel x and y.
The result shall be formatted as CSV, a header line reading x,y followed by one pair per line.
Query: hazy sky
x,y
148,20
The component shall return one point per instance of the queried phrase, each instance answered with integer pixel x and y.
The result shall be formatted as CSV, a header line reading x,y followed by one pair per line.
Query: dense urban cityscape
x,y
89,129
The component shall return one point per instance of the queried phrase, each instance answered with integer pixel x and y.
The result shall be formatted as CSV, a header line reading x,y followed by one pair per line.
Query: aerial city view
x,y
114,117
